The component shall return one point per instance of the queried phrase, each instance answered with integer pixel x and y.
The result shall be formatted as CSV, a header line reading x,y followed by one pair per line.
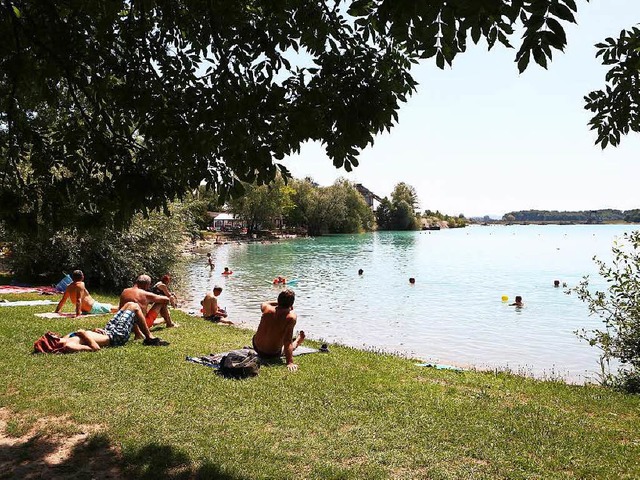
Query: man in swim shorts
x,y
141,295
115,333
211,310
275,332
85,304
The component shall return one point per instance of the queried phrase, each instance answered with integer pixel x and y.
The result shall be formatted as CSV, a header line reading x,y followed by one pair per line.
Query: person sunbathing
x,y
78,294
275,331
116,333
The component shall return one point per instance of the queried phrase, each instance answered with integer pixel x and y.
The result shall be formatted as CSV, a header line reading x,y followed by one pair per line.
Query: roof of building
x,y
225,216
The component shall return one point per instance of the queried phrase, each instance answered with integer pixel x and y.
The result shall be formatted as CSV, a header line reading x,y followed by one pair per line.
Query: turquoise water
x,y
453,314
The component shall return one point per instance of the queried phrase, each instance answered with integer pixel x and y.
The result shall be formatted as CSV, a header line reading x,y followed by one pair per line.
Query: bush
x,y
110,259
619,308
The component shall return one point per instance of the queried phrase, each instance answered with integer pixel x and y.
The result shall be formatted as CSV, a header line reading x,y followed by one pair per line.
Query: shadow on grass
x,y
96,457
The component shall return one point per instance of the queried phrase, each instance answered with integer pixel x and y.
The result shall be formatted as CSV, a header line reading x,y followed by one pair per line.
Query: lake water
x,y
453,314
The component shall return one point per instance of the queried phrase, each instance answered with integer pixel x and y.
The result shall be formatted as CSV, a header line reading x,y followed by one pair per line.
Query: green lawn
x,y
348,414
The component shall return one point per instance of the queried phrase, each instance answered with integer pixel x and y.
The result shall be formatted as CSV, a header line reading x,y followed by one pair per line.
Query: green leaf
x,y
523,61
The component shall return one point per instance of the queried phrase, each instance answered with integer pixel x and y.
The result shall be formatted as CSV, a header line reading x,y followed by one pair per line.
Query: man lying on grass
x,y
115,333
275,332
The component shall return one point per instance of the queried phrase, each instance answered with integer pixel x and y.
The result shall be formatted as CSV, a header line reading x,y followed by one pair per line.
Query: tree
x,y
403,216
399,212
348,213
404,192
336,209
261,205
617,107
619,308
383,214
112,107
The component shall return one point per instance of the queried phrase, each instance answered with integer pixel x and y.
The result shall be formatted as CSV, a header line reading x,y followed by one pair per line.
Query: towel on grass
x,y
21,289
27,303
63,315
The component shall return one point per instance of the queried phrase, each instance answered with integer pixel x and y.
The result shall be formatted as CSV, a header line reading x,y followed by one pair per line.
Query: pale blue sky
x,y
481,139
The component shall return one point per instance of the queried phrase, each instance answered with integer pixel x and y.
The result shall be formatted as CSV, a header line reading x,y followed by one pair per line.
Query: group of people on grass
x,y
142,304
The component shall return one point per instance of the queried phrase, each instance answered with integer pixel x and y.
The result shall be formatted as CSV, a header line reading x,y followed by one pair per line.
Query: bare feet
x,y
299,339
169,324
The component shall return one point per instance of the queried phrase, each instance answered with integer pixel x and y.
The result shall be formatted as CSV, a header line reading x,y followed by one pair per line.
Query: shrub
x,y
110,259
619,307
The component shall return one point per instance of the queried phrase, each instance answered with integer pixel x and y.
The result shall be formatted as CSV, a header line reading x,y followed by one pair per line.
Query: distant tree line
x,y
303,204
584,216
436,217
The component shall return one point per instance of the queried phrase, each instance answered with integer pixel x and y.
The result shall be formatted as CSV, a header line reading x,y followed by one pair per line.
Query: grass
x,y
348,414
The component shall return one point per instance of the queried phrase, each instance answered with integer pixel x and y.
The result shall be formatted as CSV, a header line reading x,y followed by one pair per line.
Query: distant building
x,y
369,196
224,221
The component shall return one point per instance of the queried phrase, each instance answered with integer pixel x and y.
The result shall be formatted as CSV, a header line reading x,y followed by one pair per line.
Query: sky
x,y
481,139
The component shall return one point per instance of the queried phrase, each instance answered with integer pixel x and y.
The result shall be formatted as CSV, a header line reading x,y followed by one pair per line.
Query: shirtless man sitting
x,y
275,332
211,310
141,295
85,304
115,333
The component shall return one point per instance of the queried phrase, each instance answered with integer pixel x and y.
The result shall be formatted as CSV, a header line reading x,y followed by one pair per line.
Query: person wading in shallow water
x,y
275,332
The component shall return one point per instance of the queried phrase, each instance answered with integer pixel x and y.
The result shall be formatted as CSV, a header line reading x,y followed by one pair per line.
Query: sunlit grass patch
x,y
346,414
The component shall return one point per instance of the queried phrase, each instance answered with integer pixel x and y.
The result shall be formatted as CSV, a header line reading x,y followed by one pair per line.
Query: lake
x,y
453,314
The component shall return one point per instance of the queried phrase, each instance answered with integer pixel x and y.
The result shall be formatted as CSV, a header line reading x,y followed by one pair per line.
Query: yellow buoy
x,y
505,298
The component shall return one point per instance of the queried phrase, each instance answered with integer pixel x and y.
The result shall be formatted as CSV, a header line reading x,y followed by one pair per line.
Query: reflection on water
x,y
453,313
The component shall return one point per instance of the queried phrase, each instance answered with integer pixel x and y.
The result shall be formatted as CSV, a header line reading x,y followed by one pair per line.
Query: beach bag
x,y
48,343
238,364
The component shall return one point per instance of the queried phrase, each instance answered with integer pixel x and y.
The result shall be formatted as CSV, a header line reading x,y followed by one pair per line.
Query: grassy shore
x,y
346,414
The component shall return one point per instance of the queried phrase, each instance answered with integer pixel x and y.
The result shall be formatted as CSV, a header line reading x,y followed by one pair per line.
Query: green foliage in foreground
x,y
618,306
348,414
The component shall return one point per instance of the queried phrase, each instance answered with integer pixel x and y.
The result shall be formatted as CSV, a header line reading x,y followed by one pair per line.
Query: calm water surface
x,y
453,314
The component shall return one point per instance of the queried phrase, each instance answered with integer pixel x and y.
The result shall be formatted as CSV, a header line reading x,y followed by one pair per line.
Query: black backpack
x,y
242,363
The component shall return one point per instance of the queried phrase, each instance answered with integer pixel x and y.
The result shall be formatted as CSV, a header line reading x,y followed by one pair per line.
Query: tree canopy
x,y
399,213
108,108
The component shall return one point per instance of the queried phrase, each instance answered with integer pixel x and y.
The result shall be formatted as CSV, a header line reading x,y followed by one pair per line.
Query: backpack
x,y
48,343
238,364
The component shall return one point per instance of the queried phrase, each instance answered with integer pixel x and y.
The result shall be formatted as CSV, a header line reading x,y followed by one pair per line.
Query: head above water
x,y
360,272
217,288
556,283
77,276
166,278
143,281
412,280
286,298
518,299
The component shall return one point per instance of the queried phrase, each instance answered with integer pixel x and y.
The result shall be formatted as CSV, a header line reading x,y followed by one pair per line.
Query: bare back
x,y
209,305
275,329
142,297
